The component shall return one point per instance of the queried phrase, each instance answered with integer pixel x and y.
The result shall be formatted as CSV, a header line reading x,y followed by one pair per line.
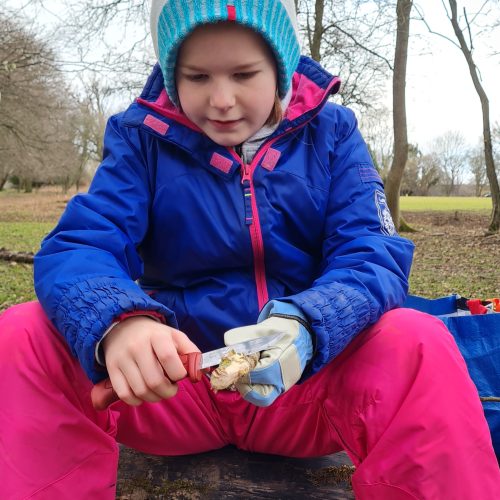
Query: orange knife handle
x,y
192,364
103,395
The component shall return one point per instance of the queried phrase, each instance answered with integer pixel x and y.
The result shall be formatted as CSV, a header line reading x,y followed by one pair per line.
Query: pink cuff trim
x,y
152,314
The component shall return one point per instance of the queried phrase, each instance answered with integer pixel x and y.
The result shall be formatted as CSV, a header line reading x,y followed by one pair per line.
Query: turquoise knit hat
x,y
173,20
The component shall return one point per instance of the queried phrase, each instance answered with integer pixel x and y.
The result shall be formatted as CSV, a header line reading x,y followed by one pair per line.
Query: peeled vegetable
x,y
232,367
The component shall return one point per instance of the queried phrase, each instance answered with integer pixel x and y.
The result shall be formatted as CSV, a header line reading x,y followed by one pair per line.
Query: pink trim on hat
x,y
231,13
271,159
156,124
221,162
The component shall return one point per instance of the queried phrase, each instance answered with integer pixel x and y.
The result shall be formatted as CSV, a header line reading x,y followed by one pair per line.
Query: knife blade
x,y
213,358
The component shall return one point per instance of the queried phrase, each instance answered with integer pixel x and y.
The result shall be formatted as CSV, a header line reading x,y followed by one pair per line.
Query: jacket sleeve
x,y
365,264
86,268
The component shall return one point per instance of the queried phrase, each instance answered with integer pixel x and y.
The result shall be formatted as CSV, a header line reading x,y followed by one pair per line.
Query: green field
x,y
444,203
23,236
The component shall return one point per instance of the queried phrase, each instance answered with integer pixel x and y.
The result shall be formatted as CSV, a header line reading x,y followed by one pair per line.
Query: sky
x,y
440,93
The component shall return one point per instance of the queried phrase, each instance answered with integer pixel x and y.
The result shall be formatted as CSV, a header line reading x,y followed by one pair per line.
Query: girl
x,y
234,201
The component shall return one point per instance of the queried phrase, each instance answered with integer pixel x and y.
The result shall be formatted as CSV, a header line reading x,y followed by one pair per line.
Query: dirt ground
x,y
40,206
454,254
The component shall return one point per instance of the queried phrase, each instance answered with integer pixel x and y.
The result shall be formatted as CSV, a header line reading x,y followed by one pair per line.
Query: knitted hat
x,y
173,20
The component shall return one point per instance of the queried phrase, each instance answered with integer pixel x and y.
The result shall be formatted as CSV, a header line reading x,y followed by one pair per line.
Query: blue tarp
x,y
478,338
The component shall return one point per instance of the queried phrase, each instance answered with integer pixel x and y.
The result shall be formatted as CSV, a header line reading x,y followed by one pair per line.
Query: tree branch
x,y
359,44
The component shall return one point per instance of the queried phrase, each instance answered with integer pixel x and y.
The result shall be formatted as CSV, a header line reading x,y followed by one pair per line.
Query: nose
x,y
222,96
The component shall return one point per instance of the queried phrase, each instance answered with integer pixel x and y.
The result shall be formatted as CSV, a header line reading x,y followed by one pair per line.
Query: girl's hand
x,y
142,359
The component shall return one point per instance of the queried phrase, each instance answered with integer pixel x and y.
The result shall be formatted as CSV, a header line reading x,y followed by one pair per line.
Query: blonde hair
x,y
276,114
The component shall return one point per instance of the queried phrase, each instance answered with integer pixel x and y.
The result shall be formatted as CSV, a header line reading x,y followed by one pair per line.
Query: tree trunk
x,y
3,181
319,7
28,185
395,177
485,106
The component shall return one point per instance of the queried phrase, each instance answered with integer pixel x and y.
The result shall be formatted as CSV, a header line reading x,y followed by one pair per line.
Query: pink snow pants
x,y
399,400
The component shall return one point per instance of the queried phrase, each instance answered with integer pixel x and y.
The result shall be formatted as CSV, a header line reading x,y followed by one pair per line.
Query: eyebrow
x,y
240,67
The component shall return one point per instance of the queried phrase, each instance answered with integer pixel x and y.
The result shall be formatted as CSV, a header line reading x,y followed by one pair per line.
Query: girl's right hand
x,y
142,359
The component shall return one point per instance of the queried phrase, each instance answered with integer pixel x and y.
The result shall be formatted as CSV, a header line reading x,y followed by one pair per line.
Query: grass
x,y
16,284
445,204
23,236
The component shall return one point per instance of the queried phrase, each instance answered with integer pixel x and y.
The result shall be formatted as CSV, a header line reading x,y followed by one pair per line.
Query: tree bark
x,y
485,107
394,179
319,7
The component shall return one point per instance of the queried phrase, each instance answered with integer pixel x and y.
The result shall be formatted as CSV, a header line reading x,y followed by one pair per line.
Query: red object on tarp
x,y
475,307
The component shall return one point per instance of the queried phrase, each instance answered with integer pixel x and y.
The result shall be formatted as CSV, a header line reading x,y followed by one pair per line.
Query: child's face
x,y
226,81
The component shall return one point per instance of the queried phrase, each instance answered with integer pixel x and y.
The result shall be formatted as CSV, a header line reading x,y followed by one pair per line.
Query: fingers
x,y
182,343
121,386
142,358
167,359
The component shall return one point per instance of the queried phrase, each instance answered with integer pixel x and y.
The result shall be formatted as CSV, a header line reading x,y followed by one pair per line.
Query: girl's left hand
x,y
280,366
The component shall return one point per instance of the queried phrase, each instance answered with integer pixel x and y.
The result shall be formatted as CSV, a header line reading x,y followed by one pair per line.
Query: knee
x,y
388,358
22,325
414,338
411,328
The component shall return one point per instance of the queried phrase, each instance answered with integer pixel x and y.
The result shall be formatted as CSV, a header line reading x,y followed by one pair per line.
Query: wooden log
x,y
20,257
230,473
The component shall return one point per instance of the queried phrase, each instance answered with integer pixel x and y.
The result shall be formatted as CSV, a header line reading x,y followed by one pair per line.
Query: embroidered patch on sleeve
x,y
386,223
368,173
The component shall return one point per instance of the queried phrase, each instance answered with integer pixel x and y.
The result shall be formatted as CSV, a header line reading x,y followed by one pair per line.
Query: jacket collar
x,y
311,87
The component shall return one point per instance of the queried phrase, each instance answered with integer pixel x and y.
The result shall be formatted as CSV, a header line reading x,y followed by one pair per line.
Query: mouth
x,y
224,124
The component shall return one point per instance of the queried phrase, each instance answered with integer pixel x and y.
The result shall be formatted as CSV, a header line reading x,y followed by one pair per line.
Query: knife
x,y
195,363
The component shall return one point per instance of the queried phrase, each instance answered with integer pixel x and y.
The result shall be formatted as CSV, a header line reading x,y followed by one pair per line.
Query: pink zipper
x,y
252,218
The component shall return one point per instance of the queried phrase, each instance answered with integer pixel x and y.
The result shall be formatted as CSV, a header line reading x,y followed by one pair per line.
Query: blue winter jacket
x,y
174,223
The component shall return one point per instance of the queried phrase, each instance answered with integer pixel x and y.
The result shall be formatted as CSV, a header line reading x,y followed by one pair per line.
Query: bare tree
x,y
394,179
496,146
35,138
488,147
352,39
410,180
429,173
376,127
89,124
108,40
451,150
478,169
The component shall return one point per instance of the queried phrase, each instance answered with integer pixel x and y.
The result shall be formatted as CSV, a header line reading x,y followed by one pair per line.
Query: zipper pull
x,y
245,173
247,193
